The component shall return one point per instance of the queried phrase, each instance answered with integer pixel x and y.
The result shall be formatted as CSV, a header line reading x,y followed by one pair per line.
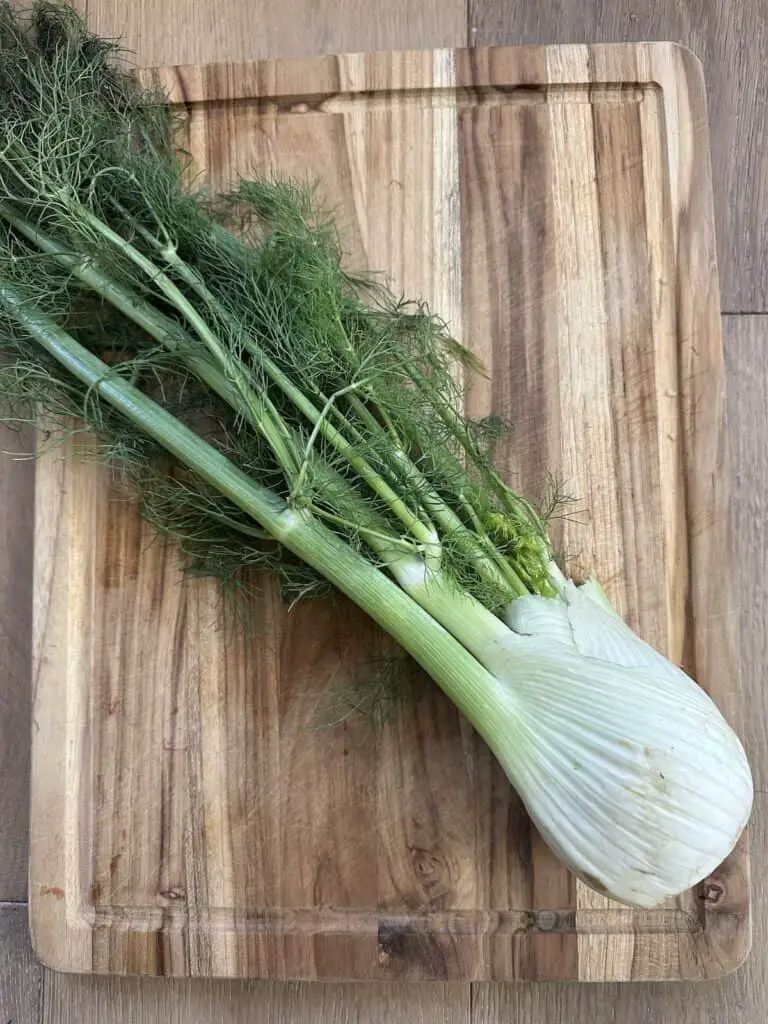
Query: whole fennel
x,y
274,411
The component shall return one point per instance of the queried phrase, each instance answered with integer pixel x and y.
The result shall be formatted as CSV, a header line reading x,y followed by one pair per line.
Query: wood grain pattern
x,y
16,488
196,820
20,977
187,32
732,41
741,997
70,999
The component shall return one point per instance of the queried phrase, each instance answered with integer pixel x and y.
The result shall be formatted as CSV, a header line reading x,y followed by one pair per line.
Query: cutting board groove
x,y
193,812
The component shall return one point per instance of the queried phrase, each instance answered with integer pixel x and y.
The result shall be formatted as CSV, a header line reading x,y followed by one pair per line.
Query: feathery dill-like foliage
x,y
238,315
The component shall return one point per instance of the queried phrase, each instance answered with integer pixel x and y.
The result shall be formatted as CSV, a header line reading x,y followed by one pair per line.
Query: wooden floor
x,y
732,39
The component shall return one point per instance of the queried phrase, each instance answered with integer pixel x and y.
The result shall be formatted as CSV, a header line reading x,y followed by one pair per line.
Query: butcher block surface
x,y
201,802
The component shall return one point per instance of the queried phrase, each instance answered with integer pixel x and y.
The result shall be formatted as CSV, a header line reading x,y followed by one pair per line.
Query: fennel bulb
x,y
627,767
274,411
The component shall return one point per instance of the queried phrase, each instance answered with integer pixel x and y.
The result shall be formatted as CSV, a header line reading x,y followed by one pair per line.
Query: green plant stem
x,y
465,681
248,403
489,639
166,333
496,571
379,541
316,430
371,477
317,417
507,570
424,533
452,421
267,418
489,562
132,305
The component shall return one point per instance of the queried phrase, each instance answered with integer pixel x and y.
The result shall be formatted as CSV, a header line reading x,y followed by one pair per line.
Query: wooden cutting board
x,y
194,812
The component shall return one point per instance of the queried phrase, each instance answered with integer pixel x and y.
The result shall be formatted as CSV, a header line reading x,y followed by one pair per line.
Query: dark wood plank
x,y
20,976
741,997
190,32
69,999
16,490
731,40
16,498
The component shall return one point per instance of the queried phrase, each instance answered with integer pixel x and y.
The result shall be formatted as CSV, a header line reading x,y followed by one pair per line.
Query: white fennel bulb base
x,y
634,778
626,766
